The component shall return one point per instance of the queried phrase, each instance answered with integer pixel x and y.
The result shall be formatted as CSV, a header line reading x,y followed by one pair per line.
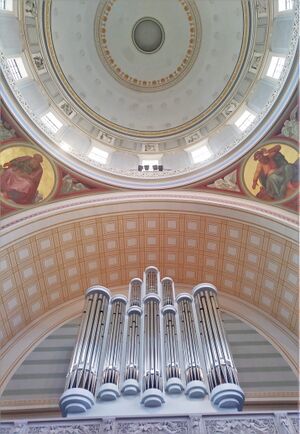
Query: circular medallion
x,y
271,173
27,176
148,35
173,40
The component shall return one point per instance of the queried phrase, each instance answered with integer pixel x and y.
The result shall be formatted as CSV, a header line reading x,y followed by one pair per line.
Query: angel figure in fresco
x,y
20,178
278,177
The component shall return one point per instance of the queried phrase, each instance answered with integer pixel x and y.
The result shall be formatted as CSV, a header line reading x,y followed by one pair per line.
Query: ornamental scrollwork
x,y
238,426
164,427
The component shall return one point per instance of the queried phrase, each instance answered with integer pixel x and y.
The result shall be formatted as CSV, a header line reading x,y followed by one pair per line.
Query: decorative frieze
x,y
248,423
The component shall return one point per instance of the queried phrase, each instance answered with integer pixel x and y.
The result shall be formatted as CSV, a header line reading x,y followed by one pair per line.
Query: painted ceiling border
x,y
34,220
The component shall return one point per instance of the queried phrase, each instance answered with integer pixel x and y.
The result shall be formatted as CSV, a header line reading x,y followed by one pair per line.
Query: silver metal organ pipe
x,y
133,340
190,344
193,371
112,364
171,345
84,365
85,362
151,281
167,292
132,352
221,371
135,292
152,381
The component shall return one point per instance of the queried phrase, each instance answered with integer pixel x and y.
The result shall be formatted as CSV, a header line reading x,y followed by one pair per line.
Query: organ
x,y
151,346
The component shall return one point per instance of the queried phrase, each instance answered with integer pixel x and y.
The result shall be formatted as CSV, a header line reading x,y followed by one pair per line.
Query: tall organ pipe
x,y
109,389
82,374
151,280
135,289
194,377
133,340
173,377
221,371
152,395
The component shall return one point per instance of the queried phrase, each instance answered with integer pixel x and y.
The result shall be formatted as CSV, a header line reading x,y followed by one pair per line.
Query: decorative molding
x,y
228,183
262,215
31,8
105,138
39,62
102,44
71,185
261,8
247,423
241,425
150,147
52,403
6,132
291,126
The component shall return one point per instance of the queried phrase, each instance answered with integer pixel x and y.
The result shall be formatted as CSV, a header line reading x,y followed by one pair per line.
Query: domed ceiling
x,y
181,85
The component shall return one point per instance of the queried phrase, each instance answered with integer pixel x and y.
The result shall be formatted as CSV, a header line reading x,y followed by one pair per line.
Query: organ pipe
x,y
151,280
167,291
152,381
133,339
174,384
135,292
221,371
133,346
112,364
85,362
190,344
84,365
152,362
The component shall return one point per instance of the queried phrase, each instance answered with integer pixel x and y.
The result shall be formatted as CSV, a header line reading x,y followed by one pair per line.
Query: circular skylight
x,y
148,35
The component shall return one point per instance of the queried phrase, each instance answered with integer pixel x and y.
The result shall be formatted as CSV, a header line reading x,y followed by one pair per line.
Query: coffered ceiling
x,y
57,264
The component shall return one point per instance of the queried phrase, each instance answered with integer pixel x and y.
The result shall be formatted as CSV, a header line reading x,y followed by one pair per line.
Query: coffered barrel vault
x,y
204,243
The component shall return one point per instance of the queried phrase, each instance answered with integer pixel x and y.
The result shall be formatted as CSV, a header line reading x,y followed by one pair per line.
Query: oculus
x,y
148,35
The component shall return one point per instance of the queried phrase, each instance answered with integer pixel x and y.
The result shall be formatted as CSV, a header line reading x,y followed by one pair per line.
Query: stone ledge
x,y
246,423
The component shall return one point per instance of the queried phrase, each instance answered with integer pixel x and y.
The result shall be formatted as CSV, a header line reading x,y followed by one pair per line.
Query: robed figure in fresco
x,y
20,178
278,177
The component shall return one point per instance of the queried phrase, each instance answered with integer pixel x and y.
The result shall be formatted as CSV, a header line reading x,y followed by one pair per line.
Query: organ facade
x,y
152,349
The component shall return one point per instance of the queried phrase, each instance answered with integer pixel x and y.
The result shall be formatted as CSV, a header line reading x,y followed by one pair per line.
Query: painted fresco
x,y
27,176
271,172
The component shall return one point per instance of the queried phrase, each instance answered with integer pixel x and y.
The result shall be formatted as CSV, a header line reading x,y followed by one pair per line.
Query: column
x,y
109,390
171,346
195,387
132,353
79,394
222,374
152,381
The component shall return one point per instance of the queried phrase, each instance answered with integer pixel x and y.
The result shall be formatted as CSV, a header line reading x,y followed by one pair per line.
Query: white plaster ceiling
x,y
152,110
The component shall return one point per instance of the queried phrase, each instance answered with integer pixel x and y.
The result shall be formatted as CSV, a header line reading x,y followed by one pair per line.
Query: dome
x,y
183,87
